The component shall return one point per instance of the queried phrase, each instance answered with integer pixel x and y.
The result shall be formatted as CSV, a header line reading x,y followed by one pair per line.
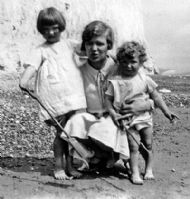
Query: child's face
x,y
129,67
96,49
52,33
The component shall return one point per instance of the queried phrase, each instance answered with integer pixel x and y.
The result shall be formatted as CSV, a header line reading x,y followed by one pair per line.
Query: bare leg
x,y
134,156
111,160
104,152
60,147
127,166
70,169
146,137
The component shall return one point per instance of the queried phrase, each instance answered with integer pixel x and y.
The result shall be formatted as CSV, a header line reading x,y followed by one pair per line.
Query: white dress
x,y
59,82
102,129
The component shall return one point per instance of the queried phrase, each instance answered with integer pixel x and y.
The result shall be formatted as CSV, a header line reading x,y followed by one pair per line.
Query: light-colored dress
x,y
97,124
59,82
127,90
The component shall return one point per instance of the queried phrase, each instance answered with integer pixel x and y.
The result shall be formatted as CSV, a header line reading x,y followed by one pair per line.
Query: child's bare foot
x,y
135,179
110,163
149,175
94,160
127,167
74,173
61,175
90,154
83,167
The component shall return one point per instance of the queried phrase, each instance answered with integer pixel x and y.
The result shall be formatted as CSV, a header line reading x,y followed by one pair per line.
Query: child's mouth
x,y
94,55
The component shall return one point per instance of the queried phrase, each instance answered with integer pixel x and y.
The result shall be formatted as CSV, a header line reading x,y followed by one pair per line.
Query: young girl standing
x,y
127,87
58,85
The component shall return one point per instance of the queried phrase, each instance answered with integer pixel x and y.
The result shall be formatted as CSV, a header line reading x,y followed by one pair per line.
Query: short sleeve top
x,y
130,89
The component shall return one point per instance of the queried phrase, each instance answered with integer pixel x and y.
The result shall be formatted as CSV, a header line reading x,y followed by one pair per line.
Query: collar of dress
x,y
105,70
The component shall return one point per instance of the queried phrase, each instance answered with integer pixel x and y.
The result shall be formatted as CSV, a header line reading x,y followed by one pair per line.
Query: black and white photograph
x,y
94,99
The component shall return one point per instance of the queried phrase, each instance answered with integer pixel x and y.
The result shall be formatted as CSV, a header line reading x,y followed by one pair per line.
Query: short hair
x,y
130,50
97,28
50,16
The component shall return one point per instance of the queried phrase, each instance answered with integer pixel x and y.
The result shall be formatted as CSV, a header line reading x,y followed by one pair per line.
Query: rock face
x,y
18,23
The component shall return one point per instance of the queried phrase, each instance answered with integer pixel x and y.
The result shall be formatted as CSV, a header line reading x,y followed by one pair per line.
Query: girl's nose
x,y
94,47
51,32
130,66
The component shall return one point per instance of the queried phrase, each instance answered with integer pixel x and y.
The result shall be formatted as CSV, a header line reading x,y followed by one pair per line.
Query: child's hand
x,y
33,94
137,106
116,117
29,92
172,117
22,88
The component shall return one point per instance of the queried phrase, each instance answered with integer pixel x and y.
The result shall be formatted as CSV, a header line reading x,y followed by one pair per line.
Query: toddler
x,y
127,87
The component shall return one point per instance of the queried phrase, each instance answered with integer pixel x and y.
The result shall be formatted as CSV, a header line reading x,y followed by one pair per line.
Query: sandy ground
x,y
31,178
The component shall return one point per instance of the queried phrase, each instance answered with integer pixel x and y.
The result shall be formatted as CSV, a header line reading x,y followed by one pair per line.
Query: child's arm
x,y
79,56
137,106
159,102
109,104
26,77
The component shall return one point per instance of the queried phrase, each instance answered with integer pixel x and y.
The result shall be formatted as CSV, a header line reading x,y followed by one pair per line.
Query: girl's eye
x,y
51,29
91,43
56,29
99,44
124,62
